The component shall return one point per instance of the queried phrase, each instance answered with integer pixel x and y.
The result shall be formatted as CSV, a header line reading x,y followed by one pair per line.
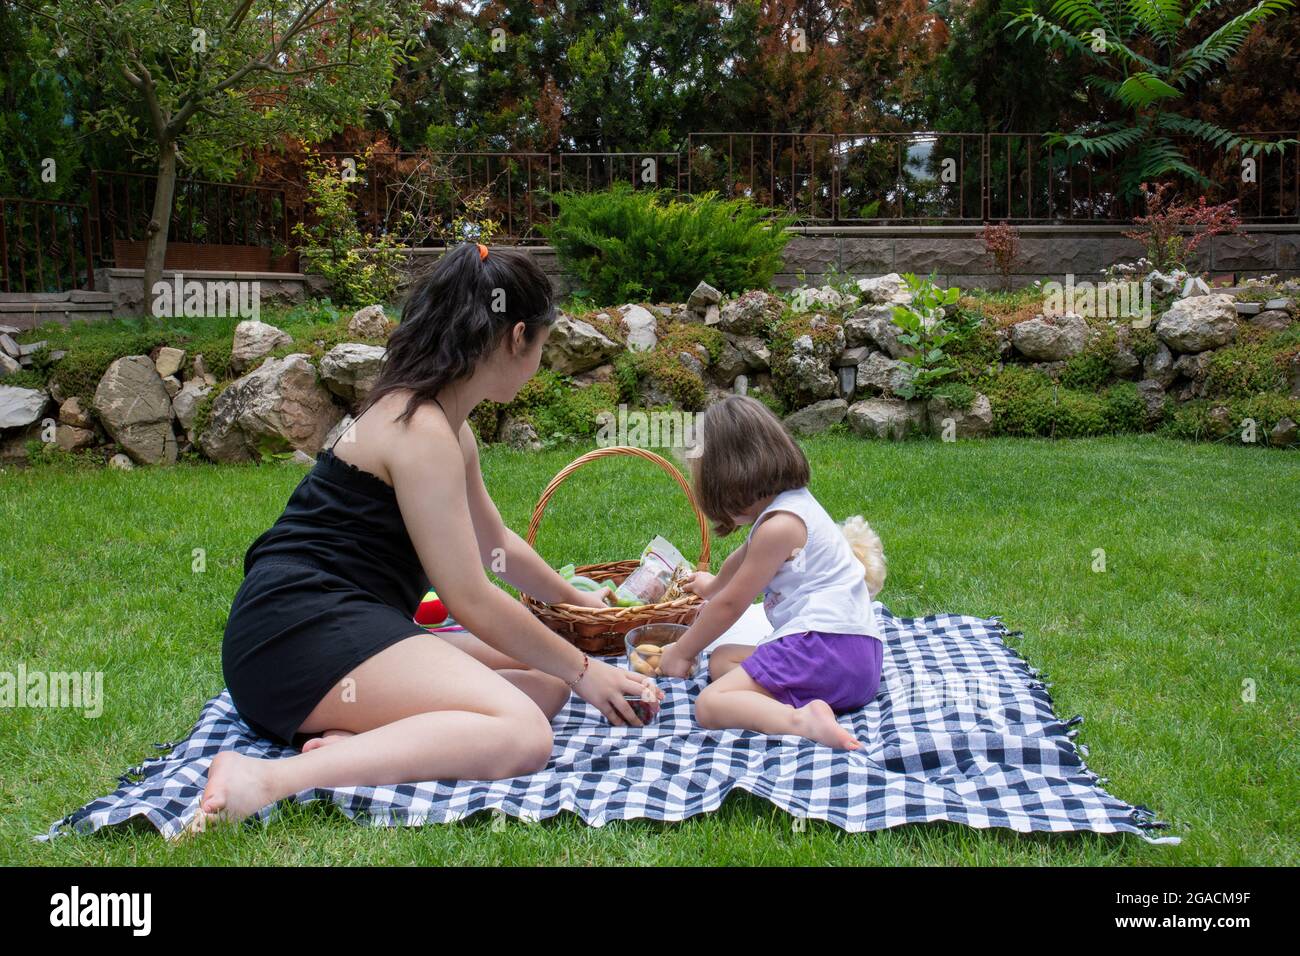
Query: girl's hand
x,y
604,687
590,598
699,582
673,663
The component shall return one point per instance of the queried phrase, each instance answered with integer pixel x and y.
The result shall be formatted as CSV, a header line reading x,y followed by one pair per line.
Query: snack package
x,y
651,578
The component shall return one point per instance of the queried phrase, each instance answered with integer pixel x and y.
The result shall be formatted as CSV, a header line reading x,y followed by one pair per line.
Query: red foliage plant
x,y
1171,230
1002,242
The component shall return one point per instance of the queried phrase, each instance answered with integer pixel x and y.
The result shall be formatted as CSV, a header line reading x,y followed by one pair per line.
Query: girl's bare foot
x,y
329,737
238,787
816,721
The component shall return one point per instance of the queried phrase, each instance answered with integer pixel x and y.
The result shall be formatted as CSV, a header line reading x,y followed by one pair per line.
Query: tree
x,y
201,83
1146,61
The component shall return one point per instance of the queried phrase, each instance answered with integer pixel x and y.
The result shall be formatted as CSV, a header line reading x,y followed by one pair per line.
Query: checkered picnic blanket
x,y
963,730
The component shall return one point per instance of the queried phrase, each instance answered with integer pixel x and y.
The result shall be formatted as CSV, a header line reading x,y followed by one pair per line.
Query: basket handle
x,y
665,464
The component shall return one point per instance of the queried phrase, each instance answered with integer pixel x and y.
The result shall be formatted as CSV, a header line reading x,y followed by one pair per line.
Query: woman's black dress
x,y
332,583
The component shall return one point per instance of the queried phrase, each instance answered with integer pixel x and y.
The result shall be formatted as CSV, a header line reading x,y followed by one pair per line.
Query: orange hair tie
x,y
482,251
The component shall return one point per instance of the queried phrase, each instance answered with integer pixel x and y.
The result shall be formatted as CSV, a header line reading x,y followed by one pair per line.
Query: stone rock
x,y
1272,320
8,365
703,297
741,385
1293,376
1221,416
1283,433
72,438
817,417
1159,366
750,313
691,362
730,363
640,326
1152,394
873,326
1283,304
823,297
169,361
879,374
121,462
887,417
73,413
136,410
369,323
278,407
186,403
712,315
1194,287
172,384
973,422
20,407
1050,338
301,458
1124,363
350,369
576,346
1248,308
887,288
518,434
753,351
808,370
254,339
9,347
1200,323
1193,367
201,371
601,373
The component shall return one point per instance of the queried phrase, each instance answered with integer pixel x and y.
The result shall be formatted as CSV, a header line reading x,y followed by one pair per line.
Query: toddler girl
x,y
817,579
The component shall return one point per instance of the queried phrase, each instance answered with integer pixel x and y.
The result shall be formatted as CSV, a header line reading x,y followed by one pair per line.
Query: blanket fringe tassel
x,y
1141,815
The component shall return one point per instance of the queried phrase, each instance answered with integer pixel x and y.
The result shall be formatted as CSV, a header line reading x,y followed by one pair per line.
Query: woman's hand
x,y
699,582
604,687
673,663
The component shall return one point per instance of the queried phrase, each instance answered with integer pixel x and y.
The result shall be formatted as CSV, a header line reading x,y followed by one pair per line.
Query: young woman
x,y
320,641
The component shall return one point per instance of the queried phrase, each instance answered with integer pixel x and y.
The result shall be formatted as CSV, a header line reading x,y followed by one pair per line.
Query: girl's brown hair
x,y
744,455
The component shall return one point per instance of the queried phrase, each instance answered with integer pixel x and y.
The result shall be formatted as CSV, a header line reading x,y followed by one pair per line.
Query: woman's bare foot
x,y
238,787
816,721
329,737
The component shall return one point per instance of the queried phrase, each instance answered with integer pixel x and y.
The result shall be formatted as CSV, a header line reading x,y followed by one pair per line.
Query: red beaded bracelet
x,y
574,683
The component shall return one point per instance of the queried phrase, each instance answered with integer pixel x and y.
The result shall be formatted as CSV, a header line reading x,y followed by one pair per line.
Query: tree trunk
x,y
160,223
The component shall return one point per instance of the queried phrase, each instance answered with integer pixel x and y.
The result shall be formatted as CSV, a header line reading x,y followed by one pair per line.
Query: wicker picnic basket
x,y
600,630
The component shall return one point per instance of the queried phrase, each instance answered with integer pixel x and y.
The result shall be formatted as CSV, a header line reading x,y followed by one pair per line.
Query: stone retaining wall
x,y
956,254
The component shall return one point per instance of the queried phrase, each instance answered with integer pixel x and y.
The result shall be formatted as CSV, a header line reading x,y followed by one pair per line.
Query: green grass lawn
x,y
1201,591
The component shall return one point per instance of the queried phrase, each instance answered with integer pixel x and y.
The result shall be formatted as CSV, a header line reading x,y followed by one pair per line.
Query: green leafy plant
x,y
635,245
929,330
1146,61
362,268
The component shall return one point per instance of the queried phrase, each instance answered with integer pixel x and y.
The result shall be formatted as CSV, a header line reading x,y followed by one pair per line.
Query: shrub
x,y
1002,243
361,268
1027,402
1164,227
1090,369
930,330
1245,369
629,245
1194,419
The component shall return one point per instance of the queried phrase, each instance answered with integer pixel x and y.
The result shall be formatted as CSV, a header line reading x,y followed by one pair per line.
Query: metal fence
x,y
203,213
45,246
825,179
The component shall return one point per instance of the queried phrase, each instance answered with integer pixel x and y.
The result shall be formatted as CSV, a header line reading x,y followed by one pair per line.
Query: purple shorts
x,y
841,669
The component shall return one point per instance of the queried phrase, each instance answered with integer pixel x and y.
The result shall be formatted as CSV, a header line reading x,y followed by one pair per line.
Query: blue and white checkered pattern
x,y
963,730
